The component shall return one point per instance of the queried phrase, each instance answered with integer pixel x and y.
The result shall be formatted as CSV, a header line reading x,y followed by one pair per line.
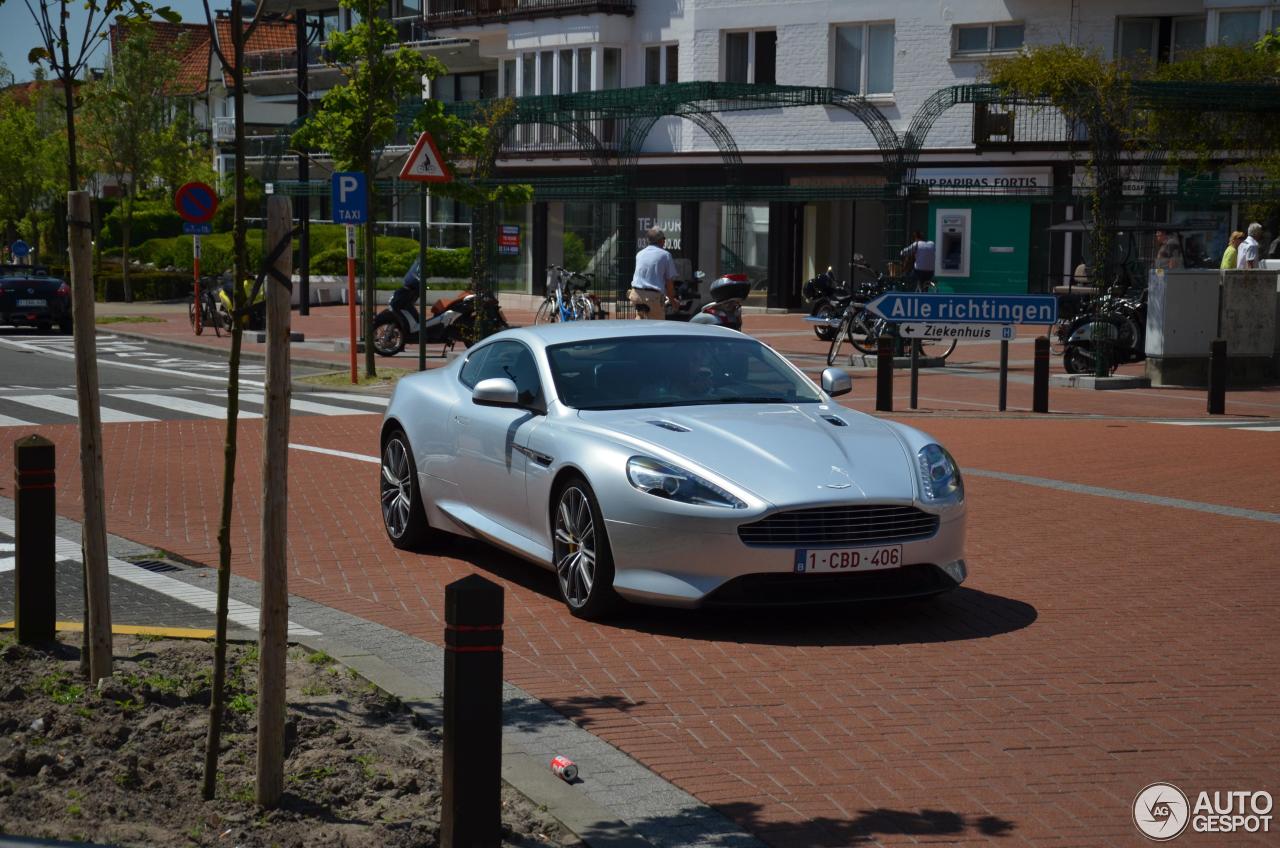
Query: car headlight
x,y
659,478
939,475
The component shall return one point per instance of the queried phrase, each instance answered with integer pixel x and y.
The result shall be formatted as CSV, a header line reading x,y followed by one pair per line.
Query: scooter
x,y
688,298
451,321
725,308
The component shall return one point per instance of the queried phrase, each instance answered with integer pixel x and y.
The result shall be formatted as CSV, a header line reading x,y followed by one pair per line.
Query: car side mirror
x,y
496,391
835,382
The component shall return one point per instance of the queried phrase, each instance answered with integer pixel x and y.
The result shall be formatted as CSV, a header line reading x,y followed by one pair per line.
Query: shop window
x,y
864,58
751,57
983,39
1162,39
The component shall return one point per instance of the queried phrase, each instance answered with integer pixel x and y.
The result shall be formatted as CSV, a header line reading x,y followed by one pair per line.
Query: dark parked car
x,y
29,297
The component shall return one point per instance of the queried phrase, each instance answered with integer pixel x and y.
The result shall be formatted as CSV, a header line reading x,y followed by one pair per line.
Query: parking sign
x,y
349,203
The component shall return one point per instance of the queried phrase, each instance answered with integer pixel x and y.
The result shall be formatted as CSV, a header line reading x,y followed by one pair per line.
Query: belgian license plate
x,y
32,301
837,560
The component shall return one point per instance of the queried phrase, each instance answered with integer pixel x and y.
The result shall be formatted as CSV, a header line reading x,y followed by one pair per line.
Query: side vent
x,y
836,420
670,425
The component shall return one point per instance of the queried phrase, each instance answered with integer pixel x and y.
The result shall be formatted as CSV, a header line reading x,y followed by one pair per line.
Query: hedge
x,y
147,285
149,222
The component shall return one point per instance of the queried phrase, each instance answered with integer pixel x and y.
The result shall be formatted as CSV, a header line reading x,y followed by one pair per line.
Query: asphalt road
x,y
140,381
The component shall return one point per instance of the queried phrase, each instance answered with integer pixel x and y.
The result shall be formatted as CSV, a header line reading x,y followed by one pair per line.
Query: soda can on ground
x,y
564,768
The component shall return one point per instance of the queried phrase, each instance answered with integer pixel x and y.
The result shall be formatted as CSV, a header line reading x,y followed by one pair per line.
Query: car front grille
x,y
840,526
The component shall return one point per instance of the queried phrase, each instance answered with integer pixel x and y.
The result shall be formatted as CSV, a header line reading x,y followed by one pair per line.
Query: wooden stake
x,y
94,534
273,621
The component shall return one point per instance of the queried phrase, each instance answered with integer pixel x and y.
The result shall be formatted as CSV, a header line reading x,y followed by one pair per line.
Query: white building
x,y
812,175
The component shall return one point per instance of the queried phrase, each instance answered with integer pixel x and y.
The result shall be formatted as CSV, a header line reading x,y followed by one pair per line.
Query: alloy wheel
x,y
575,547
397,488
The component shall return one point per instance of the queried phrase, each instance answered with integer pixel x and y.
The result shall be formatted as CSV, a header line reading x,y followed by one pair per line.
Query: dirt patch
x,y
123,764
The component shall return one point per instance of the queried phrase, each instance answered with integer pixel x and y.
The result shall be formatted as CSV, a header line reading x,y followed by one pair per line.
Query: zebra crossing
x,y
1266,425
30,405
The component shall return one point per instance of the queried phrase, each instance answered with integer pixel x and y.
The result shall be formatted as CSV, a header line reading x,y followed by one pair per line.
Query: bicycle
x,y
567,298
210,309
862,330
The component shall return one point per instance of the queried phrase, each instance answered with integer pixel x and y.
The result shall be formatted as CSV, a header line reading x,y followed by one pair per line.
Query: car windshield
x,y
650,371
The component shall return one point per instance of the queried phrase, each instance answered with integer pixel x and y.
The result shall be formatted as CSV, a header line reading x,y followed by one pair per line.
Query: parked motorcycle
x,y
1118,321
725,308
451,321
827,300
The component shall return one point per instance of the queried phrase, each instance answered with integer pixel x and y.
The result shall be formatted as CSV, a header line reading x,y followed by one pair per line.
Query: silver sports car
x,y
671,464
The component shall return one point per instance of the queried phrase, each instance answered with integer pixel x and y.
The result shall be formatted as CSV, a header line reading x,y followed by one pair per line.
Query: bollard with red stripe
x,y
472,792
35,496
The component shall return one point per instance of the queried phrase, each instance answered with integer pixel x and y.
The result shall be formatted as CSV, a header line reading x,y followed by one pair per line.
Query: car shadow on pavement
x,y
959,615
869,827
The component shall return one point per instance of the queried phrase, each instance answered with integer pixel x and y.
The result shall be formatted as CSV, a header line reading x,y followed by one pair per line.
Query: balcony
x,y
1022,125
462,13
280,61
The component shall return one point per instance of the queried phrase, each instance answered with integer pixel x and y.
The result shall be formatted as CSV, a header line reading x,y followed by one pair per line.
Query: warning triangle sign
x,y
425,164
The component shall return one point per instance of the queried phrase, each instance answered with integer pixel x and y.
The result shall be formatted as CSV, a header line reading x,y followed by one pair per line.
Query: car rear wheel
x,y
402,514
580,548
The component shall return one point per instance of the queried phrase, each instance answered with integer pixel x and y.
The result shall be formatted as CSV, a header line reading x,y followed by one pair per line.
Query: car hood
x,y
781,453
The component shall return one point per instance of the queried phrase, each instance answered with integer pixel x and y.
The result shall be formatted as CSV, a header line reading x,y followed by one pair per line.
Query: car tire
x,y
403,516
577,528
44,328
66,328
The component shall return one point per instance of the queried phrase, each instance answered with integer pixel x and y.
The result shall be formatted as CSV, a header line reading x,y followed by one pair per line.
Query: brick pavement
x,y
1101,644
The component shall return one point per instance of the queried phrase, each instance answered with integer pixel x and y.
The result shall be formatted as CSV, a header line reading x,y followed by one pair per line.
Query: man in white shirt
x,y
1250,250
921,253
655,277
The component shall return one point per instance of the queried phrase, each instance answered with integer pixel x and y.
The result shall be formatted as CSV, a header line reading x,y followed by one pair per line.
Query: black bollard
x,y
1040,386
1218,377
884,374
915,373
34,568
471,815
1004,374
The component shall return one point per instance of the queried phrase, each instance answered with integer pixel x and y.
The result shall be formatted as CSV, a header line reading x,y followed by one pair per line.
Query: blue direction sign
x,y
20,248
350,205
197,229
916,307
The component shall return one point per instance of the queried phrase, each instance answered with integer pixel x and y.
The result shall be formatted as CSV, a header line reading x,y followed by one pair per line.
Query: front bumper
x,y
677,564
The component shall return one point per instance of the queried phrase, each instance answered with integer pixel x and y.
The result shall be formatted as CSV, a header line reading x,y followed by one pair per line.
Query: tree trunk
x,y
126,224
239,266
370,275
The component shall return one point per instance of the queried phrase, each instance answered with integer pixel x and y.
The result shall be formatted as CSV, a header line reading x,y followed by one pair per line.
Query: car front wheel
x,y
402,514
583,560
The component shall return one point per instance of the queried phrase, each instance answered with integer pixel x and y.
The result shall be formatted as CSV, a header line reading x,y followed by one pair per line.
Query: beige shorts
x,y
650,298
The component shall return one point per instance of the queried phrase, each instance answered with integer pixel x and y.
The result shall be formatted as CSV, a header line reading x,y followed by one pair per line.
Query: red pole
x,y
351,297
195,247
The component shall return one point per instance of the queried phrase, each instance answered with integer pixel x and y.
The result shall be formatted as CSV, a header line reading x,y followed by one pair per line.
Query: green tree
x,y
356,119
1094,93
127,122
29,168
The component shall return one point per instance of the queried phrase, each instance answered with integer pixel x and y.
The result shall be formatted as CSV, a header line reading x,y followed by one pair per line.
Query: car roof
x,y
543,335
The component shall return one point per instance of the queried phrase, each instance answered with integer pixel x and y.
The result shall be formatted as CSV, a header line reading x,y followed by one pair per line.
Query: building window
x,y
611,68
864,58
983,39
1158,39
1240,29
751,57
509,78
660,64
